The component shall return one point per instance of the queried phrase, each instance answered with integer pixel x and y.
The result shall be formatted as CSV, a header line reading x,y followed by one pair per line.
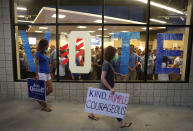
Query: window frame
x,y
57,24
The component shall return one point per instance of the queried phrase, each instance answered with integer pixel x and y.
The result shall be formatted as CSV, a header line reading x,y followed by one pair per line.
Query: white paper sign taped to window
x,y
102,102
74,35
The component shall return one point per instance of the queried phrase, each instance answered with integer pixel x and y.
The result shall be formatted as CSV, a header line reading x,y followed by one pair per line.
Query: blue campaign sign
x,y
47,35
27,48
161,52
36,89
126,37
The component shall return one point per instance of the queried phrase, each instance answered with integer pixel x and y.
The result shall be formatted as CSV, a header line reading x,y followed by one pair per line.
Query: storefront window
x,y
79,31
35,11
124,12
27,38
81,11
168,50
87,65
129,42
173,12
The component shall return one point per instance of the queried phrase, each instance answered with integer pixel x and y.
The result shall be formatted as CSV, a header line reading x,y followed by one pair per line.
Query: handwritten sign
x,y
36,89
104,103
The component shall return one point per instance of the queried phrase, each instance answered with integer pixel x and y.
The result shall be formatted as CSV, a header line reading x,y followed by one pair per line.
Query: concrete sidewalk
x,y
25,115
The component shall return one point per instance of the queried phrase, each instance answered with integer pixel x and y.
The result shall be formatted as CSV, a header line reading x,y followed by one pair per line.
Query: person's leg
x,y
49,87
133,76
123,124
92,117
128,76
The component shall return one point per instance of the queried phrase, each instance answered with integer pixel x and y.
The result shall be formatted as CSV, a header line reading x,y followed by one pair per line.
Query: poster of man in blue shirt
x,y
36,89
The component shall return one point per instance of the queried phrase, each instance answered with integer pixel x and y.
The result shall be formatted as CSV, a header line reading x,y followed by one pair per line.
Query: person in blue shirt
x,y
133,63
42,70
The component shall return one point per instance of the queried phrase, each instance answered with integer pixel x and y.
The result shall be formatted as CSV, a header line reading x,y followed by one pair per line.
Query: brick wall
x,y
180,94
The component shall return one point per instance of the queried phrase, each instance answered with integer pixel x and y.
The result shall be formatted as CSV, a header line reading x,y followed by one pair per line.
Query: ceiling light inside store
x,y
106,36
21,16
81,27
162,27
159,21
59,16
43,28
99,21
145,28
111,33
99,35
38,31
101,29
32,40
162,6
24,21
124,31
91,31
21,8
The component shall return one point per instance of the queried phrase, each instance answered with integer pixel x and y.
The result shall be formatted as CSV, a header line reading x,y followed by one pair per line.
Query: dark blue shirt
x,y
133,59
110,75
43,66
117,65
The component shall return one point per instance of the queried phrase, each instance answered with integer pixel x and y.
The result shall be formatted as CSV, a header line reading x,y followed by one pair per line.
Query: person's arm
x,y
36,68
103,79
53,64
135,66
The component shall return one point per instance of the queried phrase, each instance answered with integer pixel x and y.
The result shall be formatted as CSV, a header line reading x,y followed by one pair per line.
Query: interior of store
x,y
45,13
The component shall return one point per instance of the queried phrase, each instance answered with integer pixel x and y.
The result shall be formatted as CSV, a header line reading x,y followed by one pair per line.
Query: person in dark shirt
x,y
107,79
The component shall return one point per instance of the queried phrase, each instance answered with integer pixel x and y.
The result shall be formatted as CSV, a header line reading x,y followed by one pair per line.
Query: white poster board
x,y
102,102
74,35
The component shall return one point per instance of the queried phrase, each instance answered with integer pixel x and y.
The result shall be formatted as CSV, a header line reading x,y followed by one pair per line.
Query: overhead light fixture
x,y
21,16
101,29
43,28
162,27
99,21
59,16
99,35
124,31
162,6
32,40
81,27
159,21
145,28
91,31
106,36
24,21
38,31
21,8
111,33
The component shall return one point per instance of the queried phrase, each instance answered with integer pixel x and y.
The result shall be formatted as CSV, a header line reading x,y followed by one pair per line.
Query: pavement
x,y
25,115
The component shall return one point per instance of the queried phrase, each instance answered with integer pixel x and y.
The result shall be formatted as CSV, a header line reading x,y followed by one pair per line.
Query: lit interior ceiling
x,y
46,14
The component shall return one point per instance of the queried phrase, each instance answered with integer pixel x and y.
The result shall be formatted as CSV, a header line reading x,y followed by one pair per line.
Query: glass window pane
x,y
26,50
84,11
79,45
168,48
35,11
129,42
170,12
125,12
